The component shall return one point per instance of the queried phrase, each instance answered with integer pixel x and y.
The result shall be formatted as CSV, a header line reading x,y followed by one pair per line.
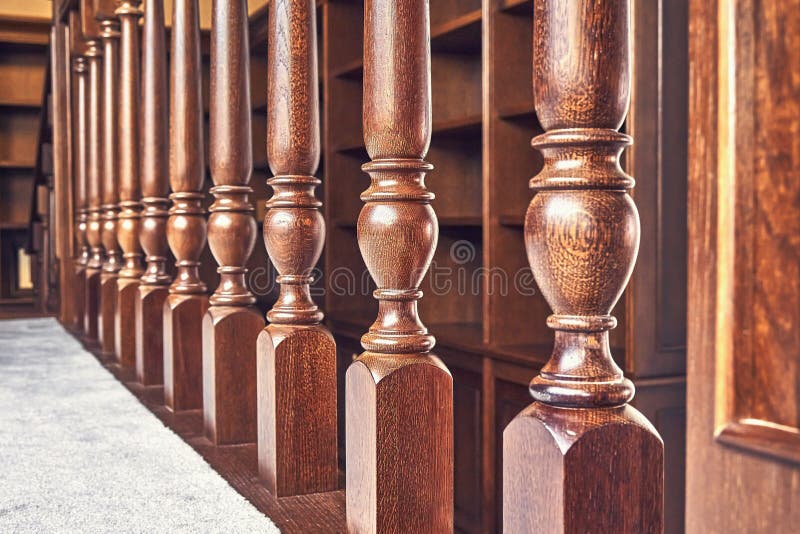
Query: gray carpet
x,y
79,453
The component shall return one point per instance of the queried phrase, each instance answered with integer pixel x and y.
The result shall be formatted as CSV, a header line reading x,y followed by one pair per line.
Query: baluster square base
x,y
183,351
150,334
91,307
125,321
79,288
108,305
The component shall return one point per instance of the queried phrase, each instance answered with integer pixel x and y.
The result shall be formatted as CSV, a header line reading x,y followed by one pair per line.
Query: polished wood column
x,y
80,161
297,448
94,181
108,279
399,397
187,302
128,12
154,283
231,325
579,459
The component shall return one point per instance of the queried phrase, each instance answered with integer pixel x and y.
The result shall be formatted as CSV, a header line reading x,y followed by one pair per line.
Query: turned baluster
x,y
111,266
399,398
579,459
231,324
80,162
128,12
297,450
186,228
94,172
154,150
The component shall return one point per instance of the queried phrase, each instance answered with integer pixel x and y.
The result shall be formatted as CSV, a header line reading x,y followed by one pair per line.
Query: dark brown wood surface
x,y
129,187
297,442
153,175
743,472
399,411
570,457
186,226
231,325
112,264
79,133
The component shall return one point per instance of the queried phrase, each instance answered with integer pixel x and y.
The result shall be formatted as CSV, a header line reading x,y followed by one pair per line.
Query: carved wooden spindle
x,y
128,12
297,449
399,397
186,228
576,454
81,159
94,189
231,325
154,147
112,264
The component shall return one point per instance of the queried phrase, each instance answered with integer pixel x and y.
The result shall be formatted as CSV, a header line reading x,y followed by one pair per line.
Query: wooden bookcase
x,y
481,301
23,62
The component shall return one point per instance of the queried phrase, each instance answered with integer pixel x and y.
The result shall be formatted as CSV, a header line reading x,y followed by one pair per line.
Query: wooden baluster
x,y
399,397
94,172
231,325
108,279
186,228
128,12
154,285
297,448
80,161
577,454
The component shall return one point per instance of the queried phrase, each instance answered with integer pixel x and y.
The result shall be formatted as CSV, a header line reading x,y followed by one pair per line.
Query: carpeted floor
x,y
78,453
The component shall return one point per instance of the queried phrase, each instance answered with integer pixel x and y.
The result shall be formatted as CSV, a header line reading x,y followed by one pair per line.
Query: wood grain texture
x,y
231,325
186,226
149,313
743,150
128,219
399,411
112,263
297,434
578,450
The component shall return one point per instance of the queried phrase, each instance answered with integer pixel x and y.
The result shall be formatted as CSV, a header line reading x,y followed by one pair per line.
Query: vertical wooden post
x,y
80,160
112,264
94,174
154,285
399,397
231,325
186,228
579,459
297,449
129,190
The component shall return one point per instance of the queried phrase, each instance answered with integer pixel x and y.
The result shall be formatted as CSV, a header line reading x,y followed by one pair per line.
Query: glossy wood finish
x,y
129,188
94,180
744,207
579,450
231,325
296,354
399,397
112,264
79,135
154,168
187,302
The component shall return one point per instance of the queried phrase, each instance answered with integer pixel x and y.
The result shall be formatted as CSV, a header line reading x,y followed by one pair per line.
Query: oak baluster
x,y
297,448
399,397
154,150
108,279
129,189
186,228
79,136
572,458
231,324
95,185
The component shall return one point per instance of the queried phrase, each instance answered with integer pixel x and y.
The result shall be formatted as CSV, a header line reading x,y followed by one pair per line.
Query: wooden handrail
x,y
128,220
575,454
231,325
399,397
186,227
153,173
297,446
